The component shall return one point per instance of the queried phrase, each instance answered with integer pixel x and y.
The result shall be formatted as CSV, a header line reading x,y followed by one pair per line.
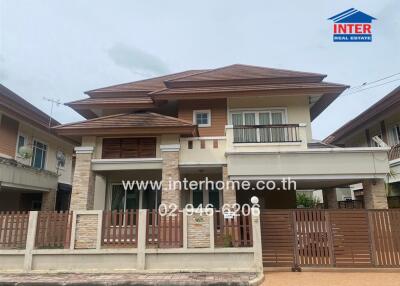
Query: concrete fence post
x,y
212,234
257,246
30,240
141,228
184,228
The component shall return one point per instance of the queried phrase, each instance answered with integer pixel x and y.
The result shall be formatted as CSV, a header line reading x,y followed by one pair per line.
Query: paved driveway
x,y
332,279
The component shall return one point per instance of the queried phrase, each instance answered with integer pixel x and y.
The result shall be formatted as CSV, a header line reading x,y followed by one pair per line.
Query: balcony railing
x,y
278,133
394,152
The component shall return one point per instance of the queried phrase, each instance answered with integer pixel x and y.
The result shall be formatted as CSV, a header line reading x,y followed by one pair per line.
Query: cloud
x,y
136,60
3,74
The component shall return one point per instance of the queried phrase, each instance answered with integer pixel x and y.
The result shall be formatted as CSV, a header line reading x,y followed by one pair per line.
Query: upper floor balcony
x,y
15,175
266,137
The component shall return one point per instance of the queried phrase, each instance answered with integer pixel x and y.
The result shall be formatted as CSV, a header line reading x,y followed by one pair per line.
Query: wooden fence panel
x,y
13,229
120,228
277,238
385,232
53,229
313,239
351,239
164,231
232,232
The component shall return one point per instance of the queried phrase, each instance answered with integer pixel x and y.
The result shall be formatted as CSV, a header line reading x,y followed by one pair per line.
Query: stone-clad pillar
x,y
82,197
229,192
171,193
330,199
375,194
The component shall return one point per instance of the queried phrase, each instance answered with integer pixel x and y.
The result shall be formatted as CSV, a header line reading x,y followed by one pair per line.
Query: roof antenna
x,y
53,101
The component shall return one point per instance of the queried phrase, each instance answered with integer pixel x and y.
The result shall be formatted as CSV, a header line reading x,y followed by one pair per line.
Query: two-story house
x,y
236,123
35,163
382,119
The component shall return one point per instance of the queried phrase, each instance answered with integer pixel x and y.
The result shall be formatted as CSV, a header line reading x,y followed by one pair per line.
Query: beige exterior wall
x,y
53,143
333,163
297,107
198,155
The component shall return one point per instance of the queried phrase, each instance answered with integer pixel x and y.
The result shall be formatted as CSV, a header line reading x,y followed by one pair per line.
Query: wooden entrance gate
x,y
337,238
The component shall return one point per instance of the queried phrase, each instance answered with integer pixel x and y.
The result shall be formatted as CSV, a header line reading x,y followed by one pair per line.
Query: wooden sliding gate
x,y
331,238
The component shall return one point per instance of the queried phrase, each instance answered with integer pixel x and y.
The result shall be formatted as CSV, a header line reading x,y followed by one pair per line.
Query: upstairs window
x,y
395,134
114,148
39,155
22,141
202,118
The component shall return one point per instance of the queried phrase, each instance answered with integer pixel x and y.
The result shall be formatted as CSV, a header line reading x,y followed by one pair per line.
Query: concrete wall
x,y
198,155
91,257
335,162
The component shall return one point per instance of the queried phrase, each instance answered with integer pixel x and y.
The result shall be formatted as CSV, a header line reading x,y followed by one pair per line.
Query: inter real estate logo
x,y
352,26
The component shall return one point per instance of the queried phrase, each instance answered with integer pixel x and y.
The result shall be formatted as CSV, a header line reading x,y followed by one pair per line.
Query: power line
x,y
361,90
368,83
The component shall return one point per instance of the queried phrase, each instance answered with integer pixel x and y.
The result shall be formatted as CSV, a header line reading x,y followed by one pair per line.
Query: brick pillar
x,y
87,230
375,194
82,197
198,230
330,199
229,193
170,173
49,200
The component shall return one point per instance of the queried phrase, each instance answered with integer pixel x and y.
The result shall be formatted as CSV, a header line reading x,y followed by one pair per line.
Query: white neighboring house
x,y
32,175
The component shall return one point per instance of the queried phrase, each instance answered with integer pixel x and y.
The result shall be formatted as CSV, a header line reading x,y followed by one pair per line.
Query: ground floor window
x,y
213,198
197,197
122,199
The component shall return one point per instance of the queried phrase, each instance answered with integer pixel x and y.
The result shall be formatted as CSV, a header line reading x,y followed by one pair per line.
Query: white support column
x,y
212,237
30,240
99,229
185,229
141,243
257,246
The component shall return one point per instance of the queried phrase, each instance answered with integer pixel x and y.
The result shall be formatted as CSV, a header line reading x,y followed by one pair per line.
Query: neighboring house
x,y
383,120
238,123
30,174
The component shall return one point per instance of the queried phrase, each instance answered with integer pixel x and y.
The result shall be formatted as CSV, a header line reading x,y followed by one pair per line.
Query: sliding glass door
x,y
264,122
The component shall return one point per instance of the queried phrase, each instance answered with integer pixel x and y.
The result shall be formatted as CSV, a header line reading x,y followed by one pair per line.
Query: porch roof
x,y
139,123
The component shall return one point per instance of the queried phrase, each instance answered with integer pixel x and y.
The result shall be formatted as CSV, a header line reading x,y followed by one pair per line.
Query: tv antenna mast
x,y
52,101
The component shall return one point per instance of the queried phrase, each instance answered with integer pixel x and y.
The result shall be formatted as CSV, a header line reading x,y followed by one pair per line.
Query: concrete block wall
x,y
85,252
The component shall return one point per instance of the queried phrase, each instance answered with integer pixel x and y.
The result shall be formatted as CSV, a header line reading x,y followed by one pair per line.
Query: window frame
x,y
110,194
207,111
65,162
257,111
33,153
394,133
20,134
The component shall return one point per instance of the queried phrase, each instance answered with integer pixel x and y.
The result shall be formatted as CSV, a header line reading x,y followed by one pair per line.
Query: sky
x,y
60,49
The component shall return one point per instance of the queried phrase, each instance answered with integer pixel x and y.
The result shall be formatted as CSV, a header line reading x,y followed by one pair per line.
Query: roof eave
x,y
182,130
265,92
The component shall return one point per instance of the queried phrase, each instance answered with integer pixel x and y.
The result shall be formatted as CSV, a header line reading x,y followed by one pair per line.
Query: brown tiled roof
x,y
216,89
127,121
148,85
128,102
221,82
241,72
383,108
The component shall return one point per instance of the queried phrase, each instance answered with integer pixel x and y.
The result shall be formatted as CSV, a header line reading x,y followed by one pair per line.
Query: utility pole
x,y
53,101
